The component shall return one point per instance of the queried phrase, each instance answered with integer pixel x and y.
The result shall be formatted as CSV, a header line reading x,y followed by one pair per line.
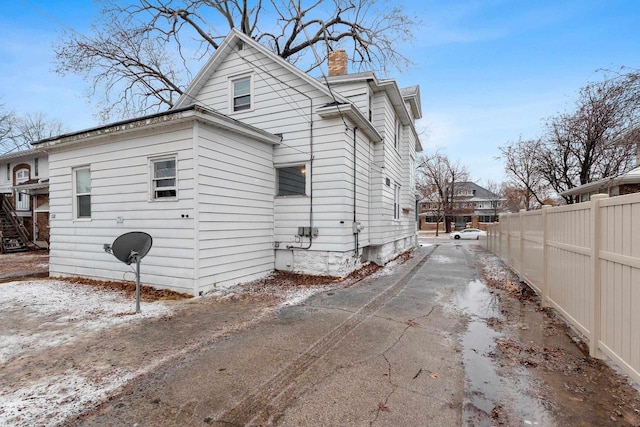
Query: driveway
x,y
421,343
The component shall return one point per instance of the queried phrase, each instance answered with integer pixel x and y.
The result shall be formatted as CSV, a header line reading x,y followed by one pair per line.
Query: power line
x,y
53,18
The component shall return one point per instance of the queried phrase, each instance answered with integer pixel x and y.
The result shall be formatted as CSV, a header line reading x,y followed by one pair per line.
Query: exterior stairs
x,y
13,234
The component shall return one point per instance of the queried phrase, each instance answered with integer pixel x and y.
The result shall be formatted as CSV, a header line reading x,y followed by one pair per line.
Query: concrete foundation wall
x,y
320,263
384,253
340,264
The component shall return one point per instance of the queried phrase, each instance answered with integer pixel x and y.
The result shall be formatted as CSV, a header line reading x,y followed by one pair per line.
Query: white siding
x,y
357,92
120,189
236,185
282,104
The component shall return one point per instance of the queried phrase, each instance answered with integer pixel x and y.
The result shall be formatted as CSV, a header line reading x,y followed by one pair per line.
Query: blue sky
x,y
489,71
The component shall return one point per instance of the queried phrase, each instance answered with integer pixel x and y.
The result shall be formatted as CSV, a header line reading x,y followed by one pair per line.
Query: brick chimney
x,y
337,63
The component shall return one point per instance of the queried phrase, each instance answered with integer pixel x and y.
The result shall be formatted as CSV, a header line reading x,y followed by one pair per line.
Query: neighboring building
x,y
471,204
626,183
257,167
24,184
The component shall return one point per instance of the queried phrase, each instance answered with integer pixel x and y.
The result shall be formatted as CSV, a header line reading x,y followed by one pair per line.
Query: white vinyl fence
x,y
584,261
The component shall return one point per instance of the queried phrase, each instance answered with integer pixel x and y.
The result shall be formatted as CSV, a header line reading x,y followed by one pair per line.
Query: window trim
x,y
24,179
232,82
397,133
307,182
396,201
76,194
153,179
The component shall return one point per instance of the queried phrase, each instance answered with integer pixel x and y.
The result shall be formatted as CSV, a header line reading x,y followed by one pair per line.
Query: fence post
x,y
521,268
596,327
545,255
507,257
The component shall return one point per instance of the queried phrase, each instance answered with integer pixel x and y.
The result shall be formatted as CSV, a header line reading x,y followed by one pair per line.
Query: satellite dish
x,y
129,245
129,248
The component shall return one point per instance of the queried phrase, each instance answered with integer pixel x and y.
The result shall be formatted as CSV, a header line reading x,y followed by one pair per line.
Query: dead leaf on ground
x,y
382,407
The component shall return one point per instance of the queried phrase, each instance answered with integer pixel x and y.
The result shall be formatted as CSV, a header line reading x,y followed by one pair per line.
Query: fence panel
x,y
570,287
619,259
584,260
532,239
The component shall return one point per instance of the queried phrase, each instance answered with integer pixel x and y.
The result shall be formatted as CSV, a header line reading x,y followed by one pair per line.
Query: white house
x,y
258,167
24,195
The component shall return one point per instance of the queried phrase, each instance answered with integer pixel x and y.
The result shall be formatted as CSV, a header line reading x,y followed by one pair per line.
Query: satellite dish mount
x,y
131,248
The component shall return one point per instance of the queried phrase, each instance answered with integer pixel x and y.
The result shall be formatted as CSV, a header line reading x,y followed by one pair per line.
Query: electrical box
x,y
308,232
357,227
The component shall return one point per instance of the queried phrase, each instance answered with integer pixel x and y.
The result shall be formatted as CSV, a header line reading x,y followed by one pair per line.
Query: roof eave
x,y
353,113
168,118
209,68
23,153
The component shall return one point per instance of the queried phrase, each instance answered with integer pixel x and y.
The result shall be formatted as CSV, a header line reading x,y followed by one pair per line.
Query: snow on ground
x,y
53,313
387,270
67,394
42,314
298,296
441,259
495,269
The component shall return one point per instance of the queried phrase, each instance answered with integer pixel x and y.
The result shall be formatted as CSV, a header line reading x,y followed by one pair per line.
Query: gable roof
x,y
233,39
478,192
336,103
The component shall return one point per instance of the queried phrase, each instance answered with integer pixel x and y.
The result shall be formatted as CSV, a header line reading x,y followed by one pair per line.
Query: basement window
x,y
292,180
163,178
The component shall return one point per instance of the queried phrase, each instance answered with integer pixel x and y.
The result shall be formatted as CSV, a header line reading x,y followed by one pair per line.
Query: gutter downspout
x,y
310,175
356,235
291,247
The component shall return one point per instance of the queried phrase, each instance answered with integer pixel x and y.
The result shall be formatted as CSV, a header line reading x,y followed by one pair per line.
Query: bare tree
x,y
132,54
442,175
21,131
522,166
594,141
498,190
6,125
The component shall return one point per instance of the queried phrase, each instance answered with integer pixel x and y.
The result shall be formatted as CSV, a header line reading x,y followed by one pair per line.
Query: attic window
x,y
241,94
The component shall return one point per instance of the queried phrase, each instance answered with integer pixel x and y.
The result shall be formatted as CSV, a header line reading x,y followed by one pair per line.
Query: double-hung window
x,y
241,93
397,133
82,192
163,178
396,201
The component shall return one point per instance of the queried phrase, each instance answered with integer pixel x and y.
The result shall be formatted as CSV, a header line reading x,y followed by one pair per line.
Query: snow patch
x,y
298,296
54,313
52,400
441,259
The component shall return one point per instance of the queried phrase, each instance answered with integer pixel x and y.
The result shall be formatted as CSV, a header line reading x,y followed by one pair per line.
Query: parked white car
x,y
468,233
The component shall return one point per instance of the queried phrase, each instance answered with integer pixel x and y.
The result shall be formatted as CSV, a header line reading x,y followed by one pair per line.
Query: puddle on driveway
x,y
493,392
